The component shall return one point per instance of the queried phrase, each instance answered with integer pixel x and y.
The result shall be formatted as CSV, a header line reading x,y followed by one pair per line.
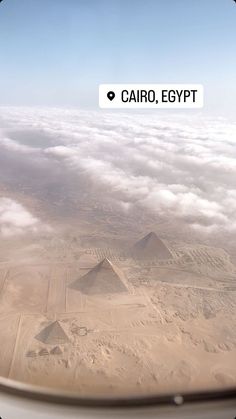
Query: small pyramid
x,y
56,350
104,278
53,334
43,352
151,247
31,354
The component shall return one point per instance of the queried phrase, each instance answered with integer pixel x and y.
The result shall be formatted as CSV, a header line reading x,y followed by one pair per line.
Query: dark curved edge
x,y
43,394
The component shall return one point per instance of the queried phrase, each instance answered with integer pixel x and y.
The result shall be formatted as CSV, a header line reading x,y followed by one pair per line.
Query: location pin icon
x,y
110,95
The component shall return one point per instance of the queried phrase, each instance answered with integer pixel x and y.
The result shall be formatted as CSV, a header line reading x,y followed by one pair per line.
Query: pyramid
x,y
56,350
53,334
151,247
43,352
104,278
31,354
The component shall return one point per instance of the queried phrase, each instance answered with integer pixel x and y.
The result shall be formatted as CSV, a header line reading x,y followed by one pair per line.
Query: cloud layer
x,y
15,219
182,167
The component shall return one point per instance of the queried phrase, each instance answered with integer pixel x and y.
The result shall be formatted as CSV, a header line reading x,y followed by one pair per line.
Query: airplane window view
x,y
117,226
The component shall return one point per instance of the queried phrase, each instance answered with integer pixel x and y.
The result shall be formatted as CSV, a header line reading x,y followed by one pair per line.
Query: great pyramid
x,y
104,278
151,247
53,334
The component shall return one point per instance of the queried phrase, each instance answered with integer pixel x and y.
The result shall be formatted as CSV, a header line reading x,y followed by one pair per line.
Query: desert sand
x,y
150,318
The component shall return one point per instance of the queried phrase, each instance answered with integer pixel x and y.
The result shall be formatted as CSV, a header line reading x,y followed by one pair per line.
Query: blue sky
x,y
56,52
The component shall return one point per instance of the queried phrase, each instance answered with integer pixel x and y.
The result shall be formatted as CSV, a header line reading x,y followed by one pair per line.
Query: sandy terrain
x,y
126,323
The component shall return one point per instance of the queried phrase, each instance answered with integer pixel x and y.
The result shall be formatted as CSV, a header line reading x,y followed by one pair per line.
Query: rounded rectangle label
x,y
151,96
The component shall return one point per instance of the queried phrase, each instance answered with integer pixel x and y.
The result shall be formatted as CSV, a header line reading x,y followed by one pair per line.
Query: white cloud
x,y
15,219
180,167
12,145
